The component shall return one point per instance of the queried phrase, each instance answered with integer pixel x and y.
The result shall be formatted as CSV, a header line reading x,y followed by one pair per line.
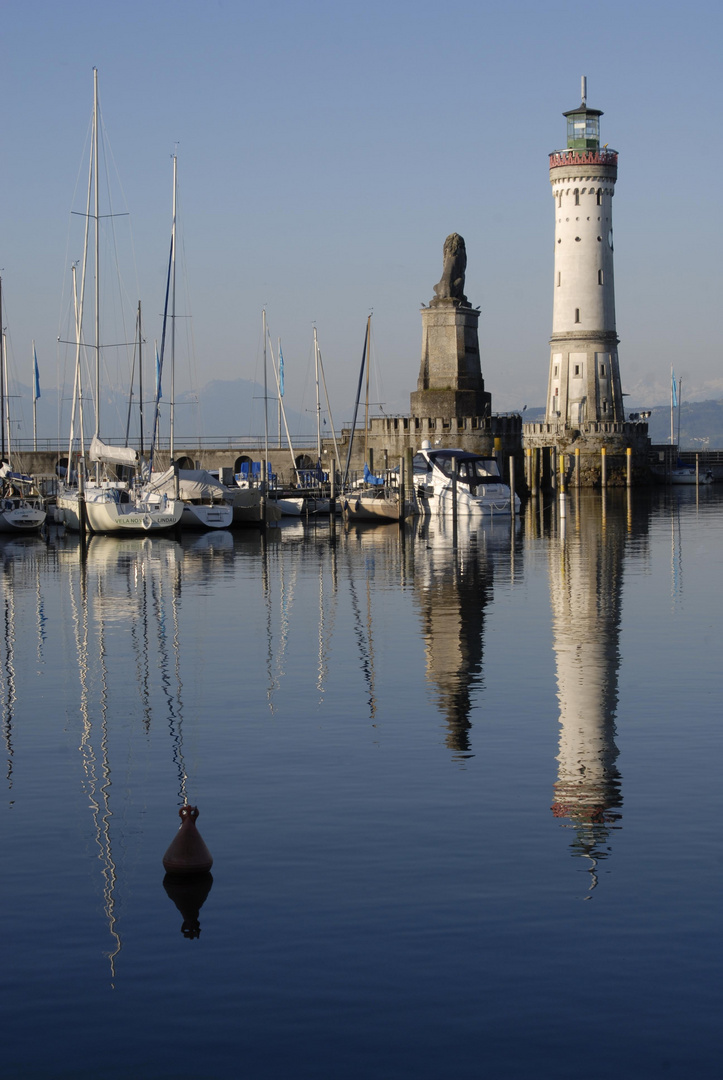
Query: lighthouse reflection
x,y
585,571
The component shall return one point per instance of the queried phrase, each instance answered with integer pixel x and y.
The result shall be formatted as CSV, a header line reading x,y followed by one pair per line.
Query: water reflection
x,y
586,576
129,589
96,770
453,583
20,575
189,894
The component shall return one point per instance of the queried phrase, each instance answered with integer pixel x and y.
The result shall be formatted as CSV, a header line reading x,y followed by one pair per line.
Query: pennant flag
x,y
281,372
674,392
159,395
36,376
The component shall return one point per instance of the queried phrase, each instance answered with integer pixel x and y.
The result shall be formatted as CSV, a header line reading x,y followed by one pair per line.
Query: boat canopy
x,y
112,455
468,465
192,484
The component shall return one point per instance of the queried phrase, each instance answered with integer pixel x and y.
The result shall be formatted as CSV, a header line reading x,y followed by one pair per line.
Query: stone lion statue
x,y
451,285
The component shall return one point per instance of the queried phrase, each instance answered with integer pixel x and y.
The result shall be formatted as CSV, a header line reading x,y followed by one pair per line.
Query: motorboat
x,y
479,486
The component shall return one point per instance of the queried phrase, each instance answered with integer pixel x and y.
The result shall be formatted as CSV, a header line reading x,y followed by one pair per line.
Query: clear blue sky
x,y
327,149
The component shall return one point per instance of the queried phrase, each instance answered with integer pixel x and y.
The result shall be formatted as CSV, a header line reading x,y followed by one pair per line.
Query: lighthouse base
x,y
605,454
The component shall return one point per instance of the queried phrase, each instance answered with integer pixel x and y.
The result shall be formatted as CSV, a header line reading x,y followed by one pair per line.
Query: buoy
x,y
187,852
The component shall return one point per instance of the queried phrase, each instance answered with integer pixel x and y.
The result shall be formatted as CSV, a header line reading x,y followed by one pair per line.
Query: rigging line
x,y
156,412
356,404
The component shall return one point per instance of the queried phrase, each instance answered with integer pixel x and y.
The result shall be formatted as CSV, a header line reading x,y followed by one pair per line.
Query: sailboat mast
x,y
328,409
173,305
140,376
34,385
278,392
2,377
266,416
318,403
356,403
366,398
6,392
96,208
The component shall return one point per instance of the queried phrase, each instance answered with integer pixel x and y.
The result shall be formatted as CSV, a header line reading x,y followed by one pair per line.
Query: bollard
x,y
401,488
409,493
454,503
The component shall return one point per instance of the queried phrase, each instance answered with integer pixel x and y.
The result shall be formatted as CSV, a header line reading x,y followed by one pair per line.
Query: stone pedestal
x,y
450,379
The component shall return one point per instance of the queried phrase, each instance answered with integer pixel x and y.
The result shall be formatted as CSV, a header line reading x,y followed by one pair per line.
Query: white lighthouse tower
x,y
584,380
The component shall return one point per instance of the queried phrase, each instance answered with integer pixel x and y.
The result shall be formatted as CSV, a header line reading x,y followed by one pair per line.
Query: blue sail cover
x,y
370,478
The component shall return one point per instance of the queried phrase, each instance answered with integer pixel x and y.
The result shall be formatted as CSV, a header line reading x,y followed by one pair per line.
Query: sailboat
x,y
104,505
681,473
204,505
21,508
375,501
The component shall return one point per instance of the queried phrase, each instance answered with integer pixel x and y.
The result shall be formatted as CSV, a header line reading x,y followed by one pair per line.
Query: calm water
x,y
465,806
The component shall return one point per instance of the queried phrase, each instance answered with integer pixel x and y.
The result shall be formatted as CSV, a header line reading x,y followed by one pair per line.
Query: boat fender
x,y
147,521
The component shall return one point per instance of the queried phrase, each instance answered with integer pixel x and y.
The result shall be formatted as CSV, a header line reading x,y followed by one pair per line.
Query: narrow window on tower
x,y
557,372
599,196
577,314
559,278
577,369
559,200
600,277
602,371
577,196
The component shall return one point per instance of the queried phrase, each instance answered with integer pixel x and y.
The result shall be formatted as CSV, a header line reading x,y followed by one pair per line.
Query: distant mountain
x,y
222,409
701,423
234,409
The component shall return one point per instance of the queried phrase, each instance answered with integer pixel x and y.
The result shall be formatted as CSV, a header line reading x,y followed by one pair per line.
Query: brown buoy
x,y
187,853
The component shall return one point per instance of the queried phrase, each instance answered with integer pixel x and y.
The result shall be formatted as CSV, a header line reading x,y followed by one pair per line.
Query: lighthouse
x,y
584,379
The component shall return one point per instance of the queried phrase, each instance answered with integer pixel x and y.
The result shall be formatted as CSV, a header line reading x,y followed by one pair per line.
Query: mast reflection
x,y
585,567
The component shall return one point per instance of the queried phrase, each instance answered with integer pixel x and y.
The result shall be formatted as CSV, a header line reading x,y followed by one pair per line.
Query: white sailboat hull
x,y
289,507
374,507
20,516
105,513
206,516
